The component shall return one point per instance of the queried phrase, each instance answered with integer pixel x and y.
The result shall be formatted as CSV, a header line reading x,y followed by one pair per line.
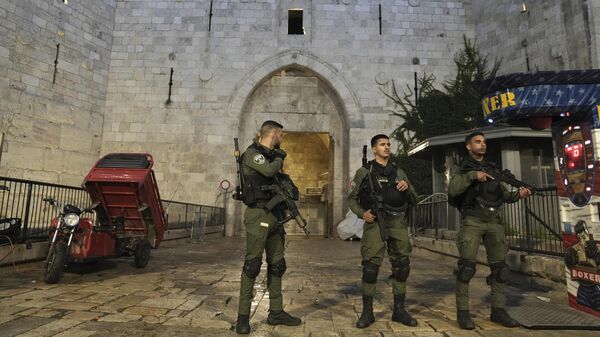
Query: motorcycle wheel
x,y
142,253
55,265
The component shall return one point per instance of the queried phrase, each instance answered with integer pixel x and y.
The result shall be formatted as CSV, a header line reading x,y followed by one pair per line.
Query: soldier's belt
x,y
393,213
482,213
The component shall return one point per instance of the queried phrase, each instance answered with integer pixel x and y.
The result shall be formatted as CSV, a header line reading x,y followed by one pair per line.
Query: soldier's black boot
x,y
400,315
463,317
282,318
242,326
366,318
500,316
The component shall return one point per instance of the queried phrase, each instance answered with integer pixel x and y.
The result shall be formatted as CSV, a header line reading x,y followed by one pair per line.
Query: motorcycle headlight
x,y
71,219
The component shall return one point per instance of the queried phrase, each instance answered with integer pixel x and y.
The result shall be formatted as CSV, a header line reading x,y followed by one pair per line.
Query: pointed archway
x,y
306,95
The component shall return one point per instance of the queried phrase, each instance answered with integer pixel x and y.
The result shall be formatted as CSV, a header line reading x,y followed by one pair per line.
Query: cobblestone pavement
x,y
192,290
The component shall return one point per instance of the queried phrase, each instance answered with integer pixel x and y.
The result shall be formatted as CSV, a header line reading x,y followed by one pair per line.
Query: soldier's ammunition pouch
x,y
466,270
489,194
253,190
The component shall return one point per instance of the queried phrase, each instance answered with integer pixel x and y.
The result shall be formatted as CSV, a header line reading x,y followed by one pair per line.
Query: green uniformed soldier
x,y
478,197
393,185
260,163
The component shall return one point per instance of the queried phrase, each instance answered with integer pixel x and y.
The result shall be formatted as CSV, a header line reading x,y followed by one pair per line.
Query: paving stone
x,y
13,291
161,302
175,313
83,316
428,334
9,310
368,332
283,330
28,312
4,319
119,318
46,313
180,321
75,306
189,305
318,325
145,311
155,319
36,303
211,324
422,327
125,301
51,328
325,293
462,333
22,325
74,296
41,294
102,298
442,325
77,331
486,324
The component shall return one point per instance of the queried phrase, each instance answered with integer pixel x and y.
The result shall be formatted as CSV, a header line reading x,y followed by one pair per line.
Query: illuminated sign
x,y
574,157
497,102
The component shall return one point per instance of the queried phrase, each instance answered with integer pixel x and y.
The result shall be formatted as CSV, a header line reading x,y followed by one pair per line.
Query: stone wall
x,y
56,131
52,130
555,34
216,71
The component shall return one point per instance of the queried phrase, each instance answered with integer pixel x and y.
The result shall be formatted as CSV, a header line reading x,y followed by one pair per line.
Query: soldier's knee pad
x,y
370,272
499,271
401,269
466,270
252,267
277,269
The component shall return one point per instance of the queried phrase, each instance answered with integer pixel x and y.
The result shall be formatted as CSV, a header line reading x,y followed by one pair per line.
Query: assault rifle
x,y
501,175
284,191
377,208
238,160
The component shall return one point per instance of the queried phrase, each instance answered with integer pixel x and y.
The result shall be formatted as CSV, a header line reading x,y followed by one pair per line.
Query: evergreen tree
x,y
455,107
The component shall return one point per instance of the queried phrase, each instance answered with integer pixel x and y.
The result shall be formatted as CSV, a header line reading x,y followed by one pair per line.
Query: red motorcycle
x,y
67,230
130,219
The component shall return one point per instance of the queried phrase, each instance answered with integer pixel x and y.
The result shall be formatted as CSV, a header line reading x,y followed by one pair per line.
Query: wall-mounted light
x,y
523,7
66,2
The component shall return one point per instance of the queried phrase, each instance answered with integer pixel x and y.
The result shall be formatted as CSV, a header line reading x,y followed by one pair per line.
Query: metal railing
x,y
531,224
181,215
22,199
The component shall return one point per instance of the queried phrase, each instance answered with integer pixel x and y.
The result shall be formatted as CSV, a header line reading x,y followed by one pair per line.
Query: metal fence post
x,y
186,214
527,226
202,226
26,216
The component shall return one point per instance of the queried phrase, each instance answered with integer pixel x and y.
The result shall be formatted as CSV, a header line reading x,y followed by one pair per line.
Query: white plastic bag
x,y
350,226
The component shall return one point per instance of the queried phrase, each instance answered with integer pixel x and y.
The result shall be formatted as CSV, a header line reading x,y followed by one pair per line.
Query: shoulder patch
x,y
259,159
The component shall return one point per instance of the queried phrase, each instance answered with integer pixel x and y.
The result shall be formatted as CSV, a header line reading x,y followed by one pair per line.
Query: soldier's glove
x,y
279,153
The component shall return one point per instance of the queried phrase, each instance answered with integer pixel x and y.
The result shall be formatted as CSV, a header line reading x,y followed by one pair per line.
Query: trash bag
x,y
350,227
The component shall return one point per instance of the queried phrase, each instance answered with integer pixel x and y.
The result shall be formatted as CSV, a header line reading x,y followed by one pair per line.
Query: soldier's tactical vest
x,y
384,182
253,181
486,194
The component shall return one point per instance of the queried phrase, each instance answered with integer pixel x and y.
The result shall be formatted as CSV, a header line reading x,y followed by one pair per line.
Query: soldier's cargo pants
x,y
372,249
472,231
263,233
